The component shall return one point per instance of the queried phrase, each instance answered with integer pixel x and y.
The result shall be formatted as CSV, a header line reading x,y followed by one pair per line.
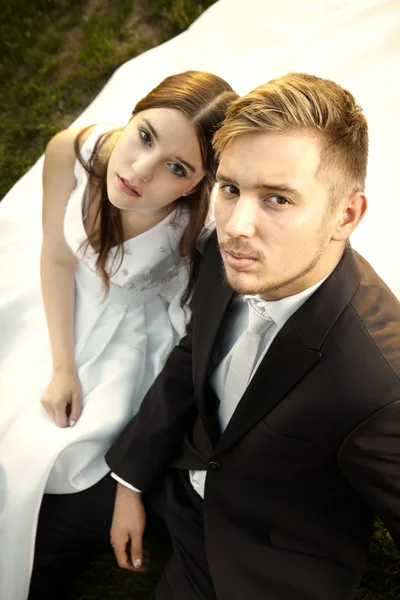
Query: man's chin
x,y
241,282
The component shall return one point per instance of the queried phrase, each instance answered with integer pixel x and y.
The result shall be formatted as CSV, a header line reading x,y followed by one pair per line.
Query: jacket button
x,y
214,466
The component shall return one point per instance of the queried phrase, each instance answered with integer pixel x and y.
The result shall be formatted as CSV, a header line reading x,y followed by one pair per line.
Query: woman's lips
x,y
127,188
239,262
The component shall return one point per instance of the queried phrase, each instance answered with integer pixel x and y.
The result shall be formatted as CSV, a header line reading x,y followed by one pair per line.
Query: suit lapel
x,y
285,363
210,304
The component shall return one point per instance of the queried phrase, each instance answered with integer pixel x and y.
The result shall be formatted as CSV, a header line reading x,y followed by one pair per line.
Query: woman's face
x,y
156,160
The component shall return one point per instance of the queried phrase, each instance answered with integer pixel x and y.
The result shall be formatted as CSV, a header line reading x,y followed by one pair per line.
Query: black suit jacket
x,y
312,451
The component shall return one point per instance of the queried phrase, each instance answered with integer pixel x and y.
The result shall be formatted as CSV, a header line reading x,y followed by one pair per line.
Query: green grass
x,y
56,55
105,581
381,581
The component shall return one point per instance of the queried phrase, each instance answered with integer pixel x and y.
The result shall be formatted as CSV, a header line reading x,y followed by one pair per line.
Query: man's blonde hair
x,y
305,103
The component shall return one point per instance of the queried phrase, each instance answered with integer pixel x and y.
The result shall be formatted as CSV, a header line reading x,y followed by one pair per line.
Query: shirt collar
x,y
281,310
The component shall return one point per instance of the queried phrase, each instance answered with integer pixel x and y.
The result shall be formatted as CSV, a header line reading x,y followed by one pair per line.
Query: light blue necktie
x,y
244,356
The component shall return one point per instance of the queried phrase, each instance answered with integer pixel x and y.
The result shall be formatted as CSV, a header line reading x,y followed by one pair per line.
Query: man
x,y
275,423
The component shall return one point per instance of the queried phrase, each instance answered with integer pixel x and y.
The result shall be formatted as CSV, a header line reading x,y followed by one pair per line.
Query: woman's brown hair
x,y
203,98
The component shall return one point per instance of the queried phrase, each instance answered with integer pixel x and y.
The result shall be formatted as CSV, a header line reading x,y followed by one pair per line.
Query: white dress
x,y
121,344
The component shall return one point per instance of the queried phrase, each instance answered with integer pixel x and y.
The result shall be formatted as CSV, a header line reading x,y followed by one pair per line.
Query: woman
x,y
122,210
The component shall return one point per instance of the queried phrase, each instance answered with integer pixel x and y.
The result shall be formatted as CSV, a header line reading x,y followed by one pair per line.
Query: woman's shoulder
x,y
63,146
60,165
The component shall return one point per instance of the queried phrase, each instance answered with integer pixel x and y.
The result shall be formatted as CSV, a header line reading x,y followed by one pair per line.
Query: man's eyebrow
x,y
278,187
221,177
178,158
274,187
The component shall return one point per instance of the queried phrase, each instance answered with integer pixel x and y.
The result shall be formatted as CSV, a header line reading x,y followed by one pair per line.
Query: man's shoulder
x,y
373,295
211,259
211,246
377,311
211,288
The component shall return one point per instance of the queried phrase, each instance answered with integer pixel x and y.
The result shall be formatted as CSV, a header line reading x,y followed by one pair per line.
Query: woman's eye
x,y
230,190
145,136
177,169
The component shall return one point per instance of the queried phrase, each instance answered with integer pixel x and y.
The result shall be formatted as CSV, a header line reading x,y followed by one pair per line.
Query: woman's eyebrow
x,y
184,162
150,126
178,158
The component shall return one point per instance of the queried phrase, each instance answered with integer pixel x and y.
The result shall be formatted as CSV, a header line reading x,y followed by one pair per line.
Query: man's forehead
x,y
265,157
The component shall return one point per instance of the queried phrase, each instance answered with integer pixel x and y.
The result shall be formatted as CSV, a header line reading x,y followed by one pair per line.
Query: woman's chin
x,y
139,206
124,203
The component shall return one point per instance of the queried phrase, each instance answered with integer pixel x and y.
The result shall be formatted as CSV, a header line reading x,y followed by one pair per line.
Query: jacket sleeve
x,y
148,443
369,458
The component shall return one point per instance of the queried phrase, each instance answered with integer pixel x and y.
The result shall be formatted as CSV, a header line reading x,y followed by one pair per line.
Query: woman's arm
x,y
62,398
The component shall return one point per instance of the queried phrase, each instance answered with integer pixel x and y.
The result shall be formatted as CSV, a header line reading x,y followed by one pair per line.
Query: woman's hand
x,y
63,398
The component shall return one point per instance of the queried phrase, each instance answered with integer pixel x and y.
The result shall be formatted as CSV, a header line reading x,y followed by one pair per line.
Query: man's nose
x,y
243,219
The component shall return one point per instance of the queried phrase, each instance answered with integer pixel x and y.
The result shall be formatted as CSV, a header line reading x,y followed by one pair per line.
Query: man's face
x,y
274,219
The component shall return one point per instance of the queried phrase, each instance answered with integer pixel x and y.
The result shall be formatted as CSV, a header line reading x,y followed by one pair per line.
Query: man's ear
x,y
350,215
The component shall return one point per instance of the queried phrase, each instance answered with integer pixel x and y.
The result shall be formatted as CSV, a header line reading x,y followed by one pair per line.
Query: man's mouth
x,y
239,261
240,255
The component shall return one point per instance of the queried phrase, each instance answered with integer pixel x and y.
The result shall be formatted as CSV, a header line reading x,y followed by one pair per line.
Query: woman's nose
x,y
143,170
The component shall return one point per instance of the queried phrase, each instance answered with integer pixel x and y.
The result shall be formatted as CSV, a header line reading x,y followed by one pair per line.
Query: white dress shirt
x,y
279,311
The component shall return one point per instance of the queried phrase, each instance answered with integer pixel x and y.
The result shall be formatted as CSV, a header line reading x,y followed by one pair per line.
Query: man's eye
x,y
177,169
145,136
230,190
280,200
